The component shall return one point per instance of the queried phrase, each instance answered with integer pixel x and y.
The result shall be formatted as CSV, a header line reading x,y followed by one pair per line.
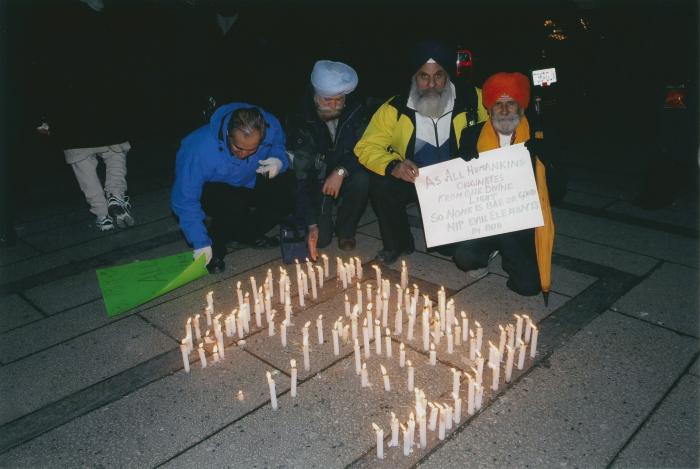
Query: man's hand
x,y
270,166
332,185
537,148
406,171
206,251
312,241
44,129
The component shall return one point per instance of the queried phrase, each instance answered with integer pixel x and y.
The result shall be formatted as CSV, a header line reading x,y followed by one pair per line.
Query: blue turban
x,y
333,78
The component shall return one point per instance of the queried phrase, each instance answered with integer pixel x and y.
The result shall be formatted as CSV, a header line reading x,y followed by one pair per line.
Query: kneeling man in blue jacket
x,y
229,171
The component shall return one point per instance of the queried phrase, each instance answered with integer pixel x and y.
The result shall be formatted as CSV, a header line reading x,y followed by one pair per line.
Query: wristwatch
x,y
341,171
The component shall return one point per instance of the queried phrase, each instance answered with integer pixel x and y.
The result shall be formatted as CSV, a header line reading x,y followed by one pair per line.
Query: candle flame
x,y
269,376
411,416
293,363
216,349
478,324
240,395
383,369
393,416
388,332
375,426
308,323
432,347
320,317
401,347
408,362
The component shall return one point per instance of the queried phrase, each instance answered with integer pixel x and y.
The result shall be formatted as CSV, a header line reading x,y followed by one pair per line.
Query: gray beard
x,y
505,125
431,103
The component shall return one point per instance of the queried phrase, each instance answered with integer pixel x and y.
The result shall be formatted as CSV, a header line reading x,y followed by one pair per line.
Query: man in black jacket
x,y
321,137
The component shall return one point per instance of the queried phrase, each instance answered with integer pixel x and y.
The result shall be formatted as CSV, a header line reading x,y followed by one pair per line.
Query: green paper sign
x,y
127,286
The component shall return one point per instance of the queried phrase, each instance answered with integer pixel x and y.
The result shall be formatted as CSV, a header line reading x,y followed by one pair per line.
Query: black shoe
x,y
389,257
216,265
265,242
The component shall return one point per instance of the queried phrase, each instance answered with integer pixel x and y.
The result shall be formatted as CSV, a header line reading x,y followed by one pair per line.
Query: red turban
x,y
514,85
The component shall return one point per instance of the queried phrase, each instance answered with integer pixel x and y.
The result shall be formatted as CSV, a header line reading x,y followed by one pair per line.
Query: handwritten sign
x,y
493,194
126,286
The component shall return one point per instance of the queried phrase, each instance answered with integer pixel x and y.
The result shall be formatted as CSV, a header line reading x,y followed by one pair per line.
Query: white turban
x,y
333,78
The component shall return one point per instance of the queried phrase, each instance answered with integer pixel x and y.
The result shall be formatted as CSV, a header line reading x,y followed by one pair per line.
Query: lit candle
x,y
325,265
305,283
479,335
479,397
387,343
270,283
258,313
470,394
385,377
336,343
378,336
493,355
479,367
404,275
411,372
358,365
319,271
426,330
433,355
501,343
210,303
380,441
437,333
495,374
465,327
432,424
369,292
422,431
349,269
353,323
411,324
342,275
358,296
398,321
215,353
450,340
300,290
293,364
271,325
319,328
184,349
283,284
273,393
394,431
363,376
448,416
442,422
283,333
358,266
202,356
533,341
510,333
406,440
370,321
365,337
521,355
312,276
378,272
268,307
188,334
455,380
305,346
239,294
402,355
197,330
509,363
441,305
254,286
472,346
518,327
528,328
411,428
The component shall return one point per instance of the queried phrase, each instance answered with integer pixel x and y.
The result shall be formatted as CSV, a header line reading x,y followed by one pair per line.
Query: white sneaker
x,y
120,210
104,223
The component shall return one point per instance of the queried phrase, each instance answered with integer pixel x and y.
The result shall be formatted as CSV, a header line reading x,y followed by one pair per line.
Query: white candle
x,y
411,428
314,290
479,335
325,265
239,294
448,416
254,286
501,343
358,296
365,337
404,275
441,424
387,342
358,365
380,441
402,355
283,284
398,321
510,332
394,431
495,374
305,346
385,377
336,343
370,321
358,266
273,393
184,349
378,272
493,355
283,333
258,313
533,342
385,311
521,355
465,327
293,364
450,341
353,324
268,307
472,346
410,375
319,271
479,367
369,292
215,353
378,336
422,431
479,397
210,303
441,305
319,328
197,330
202,356
528,328
509,363
470,394
437,333
456,375
432,424
518,327
411,325
270,283
300,291
188,334
363,376
426,330
458,335
433,355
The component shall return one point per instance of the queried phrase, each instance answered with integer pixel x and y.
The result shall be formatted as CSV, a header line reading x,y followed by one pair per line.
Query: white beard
x,y
505,125
431,103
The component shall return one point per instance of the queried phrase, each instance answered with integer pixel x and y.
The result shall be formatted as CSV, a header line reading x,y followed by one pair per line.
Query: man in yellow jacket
x,y
526,254
409,132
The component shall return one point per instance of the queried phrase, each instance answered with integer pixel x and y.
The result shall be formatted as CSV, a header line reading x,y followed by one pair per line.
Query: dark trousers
x,y
351,203
242,214
517,253
389,197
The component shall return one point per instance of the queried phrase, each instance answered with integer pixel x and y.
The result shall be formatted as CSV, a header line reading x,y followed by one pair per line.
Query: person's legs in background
x,y
85,170
118,203
353,200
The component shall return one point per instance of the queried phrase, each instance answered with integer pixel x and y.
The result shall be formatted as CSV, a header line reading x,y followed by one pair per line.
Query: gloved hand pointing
x,y
206,250
270,166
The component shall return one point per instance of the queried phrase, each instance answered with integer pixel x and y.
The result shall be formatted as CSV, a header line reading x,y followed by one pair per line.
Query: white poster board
x,y
493,194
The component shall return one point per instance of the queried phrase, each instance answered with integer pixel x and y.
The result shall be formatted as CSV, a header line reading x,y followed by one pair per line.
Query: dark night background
x,y
613,65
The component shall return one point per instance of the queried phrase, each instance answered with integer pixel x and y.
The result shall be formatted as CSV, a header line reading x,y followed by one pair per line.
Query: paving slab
x,y
587,199
695,369
684,212
15,312
53,330
34,265
73,365
66,293
603,254
670,437
328,424
19,252
156,422
676,248
436,270
668,297
581,405
608,185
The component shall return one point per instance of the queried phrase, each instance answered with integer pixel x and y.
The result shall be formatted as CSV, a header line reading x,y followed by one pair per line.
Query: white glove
x,y
206,250
270,166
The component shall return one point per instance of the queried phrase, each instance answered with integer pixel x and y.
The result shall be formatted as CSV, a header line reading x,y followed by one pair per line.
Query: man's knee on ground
x,y
469,259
